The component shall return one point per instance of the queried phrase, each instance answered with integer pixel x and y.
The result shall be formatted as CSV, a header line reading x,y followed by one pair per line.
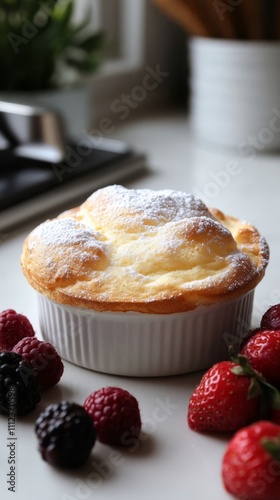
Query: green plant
x,y
39,44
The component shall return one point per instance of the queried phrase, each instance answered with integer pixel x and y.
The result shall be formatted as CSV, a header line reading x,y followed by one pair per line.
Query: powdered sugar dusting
x,y
210,228
153,207
236,272
201,231
67,232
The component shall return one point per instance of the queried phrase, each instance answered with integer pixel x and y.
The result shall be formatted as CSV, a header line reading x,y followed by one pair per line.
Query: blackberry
x,y
19,386
66,434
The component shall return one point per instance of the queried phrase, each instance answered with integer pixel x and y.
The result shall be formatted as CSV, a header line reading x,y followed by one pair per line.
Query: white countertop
x,y
171,461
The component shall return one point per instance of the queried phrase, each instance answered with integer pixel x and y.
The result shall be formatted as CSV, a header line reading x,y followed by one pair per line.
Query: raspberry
x,y
44,360
66,434
115,413
19,387
271,318
13,328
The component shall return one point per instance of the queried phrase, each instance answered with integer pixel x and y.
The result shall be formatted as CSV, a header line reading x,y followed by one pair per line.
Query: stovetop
x,y
29,185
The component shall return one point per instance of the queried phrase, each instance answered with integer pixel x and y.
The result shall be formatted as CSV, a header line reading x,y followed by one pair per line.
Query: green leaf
x,y
34,60
238,370
272,446
243,366
63,13
272,395
93,42
85,65
255,389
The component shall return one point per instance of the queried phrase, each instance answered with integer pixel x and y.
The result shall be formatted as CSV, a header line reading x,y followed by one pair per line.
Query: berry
x,y
116,416
271,318
263,352
13,328
226,399
19,387
250,468
66,434
44,360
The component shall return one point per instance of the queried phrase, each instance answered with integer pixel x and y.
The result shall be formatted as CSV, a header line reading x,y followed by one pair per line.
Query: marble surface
x,y
171,461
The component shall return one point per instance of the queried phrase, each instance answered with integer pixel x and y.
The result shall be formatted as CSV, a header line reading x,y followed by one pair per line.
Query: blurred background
x,y
100,64
86,56
96,49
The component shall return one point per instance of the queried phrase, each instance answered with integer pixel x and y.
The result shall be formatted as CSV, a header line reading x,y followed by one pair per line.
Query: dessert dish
x,y
142,282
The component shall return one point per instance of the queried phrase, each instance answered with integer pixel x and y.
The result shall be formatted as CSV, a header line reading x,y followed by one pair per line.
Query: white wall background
x,y
140,35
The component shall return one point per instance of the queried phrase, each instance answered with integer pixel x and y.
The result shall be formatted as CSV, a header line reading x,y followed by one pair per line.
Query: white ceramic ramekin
x,y
145,345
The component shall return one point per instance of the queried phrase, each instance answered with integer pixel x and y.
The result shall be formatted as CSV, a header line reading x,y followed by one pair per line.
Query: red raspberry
x,y
116,416
13,328
271,318
44,360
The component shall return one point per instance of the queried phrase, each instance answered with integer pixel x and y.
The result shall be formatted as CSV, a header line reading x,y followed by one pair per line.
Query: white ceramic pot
x,y
235,98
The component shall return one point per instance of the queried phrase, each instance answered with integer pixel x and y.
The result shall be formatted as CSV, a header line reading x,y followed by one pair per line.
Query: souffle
x,y
144,251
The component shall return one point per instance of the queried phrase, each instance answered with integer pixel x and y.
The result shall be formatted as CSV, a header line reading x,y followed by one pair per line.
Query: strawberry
x,y
263,352
251,463
216,403
230,395
271,318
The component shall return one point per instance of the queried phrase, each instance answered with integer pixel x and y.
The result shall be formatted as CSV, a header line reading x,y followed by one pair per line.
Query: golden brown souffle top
x,y
144,251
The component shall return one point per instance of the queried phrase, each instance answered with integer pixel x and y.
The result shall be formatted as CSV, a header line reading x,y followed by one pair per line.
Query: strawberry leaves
x,y
259,385
239,395
272,446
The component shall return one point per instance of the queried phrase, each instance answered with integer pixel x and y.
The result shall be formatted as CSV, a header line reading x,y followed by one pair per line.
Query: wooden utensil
x,y
249,17
222,23
186,16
